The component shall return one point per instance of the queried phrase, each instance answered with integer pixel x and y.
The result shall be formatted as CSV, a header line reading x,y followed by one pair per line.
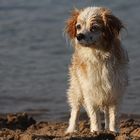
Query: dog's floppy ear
x,y
70,28
112,24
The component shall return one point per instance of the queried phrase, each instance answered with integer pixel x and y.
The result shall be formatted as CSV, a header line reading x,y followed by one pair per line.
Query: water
x,y
34,55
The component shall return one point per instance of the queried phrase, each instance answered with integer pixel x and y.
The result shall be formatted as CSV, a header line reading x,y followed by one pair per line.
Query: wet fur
x,y
98,74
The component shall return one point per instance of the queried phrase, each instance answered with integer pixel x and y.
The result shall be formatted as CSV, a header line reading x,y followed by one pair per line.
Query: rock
x,y
17,121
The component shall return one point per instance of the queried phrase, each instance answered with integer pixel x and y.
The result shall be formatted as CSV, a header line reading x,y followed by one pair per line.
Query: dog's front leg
x,y
94,115
73,119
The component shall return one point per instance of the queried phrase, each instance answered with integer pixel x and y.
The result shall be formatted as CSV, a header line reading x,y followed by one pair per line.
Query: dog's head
x,y
92,25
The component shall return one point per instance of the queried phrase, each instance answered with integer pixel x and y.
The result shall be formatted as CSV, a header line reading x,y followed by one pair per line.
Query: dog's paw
x,y
115,130
94,129
70,131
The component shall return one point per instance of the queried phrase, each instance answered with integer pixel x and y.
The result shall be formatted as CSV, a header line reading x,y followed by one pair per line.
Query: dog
x,y
99,67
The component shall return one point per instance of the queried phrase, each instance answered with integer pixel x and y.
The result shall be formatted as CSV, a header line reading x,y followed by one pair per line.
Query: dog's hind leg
x,y
113,118
106,116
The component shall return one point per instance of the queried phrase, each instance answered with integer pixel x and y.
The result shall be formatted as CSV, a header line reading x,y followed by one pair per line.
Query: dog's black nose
x,y
80,36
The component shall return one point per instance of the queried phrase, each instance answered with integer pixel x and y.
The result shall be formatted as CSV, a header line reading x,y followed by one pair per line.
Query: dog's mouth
x,y
87,44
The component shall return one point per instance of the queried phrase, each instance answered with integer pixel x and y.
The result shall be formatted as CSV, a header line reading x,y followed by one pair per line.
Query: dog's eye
x,y
94,28
78,26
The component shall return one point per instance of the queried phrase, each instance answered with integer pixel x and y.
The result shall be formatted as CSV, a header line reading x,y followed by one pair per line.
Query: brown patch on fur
x,y
83,68
79,64
112,25
118,51
71,24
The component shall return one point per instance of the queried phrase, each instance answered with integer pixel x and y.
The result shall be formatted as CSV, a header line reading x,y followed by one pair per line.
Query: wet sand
x,y
23,127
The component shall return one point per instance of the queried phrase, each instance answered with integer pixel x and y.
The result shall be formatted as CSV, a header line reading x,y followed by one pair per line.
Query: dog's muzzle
x,y
80,37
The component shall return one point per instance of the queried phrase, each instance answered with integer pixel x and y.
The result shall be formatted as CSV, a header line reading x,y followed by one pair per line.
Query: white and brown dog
x,y
98,73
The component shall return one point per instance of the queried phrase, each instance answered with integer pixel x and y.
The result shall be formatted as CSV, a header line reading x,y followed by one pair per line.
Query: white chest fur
x,y
105,79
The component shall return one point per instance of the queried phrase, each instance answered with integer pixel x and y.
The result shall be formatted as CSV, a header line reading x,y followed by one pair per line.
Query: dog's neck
x,y
93,53
101,51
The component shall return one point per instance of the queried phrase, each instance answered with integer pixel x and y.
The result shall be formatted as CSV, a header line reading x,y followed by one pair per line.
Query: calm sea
x,y
34,55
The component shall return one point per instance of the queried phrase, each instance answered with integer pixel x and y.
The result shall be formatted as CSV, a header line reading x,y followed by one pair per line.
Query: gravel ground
x,y
23,127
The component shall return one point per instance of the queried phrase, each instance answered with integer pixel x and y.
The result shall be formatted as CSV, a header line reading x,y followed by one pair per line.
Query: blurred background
x,y
34,55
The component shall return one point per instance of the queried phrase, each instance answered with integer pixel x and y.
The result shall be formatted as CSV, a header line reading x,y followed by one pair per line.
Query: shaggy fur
x,y
98,73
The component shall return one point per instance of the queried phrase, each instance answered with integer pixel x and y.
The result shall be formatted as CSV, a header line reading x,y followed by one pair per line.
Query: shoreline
x,y
21,126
